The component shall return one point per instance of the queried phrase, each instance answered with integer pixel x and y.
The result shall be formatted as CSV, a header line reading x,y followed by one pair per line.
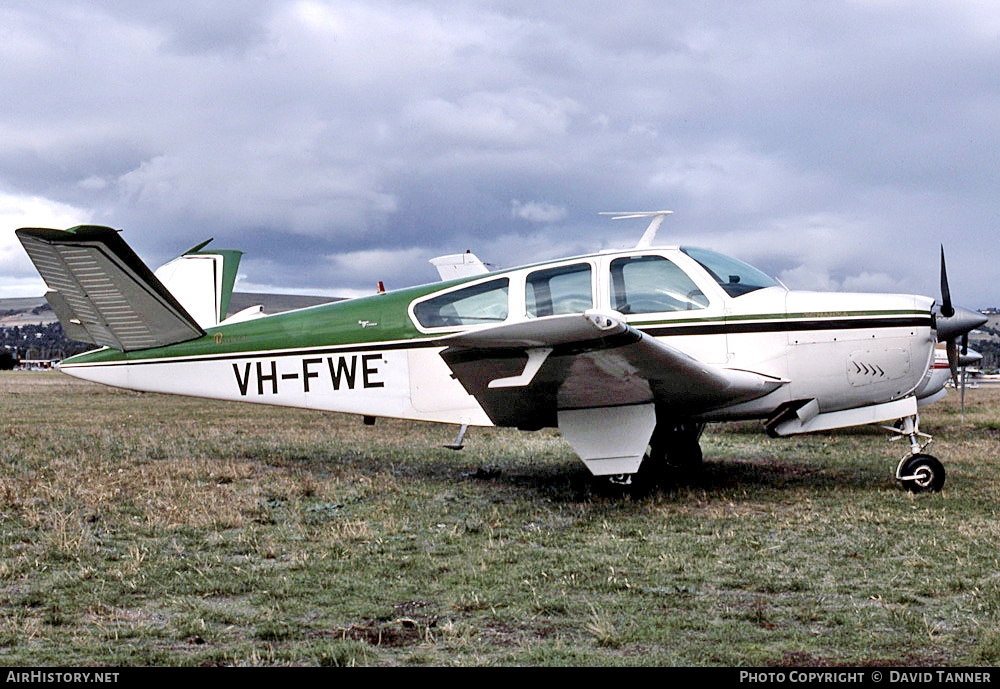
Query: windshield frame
x,y
747,278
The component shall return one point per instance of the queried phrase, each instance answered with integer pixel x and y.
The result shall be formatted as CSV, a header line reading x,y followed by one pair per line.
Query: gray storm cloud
x,y
835,145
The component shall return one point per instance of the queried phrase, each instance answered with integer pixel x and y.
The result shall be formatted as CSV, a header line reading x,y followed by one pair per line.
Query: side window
x,y
482,303
651,284
565,289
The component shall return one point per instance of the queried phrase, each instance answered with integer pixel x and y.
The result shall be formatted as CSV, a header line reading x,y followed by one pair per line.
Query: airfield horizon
x,y
143,529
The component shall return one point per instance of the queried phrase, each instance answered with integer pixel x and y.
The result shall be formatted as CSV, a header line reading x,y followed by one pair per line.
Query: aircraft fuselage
x,y
375,356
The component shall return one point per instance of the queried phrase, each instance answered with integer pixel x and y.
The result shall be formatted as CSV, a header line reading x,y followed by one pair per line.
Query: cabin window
x,y
735,277
566,289
651,284
475,305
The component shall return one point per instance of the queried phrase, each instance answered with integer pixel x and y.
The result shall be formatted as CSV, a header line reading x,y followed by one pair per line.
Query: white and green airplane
x,y
628,353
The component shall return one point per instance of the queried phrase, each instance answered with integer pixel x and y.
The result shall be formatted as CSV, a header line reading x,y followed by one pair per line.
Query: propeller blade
x,y
947,310
953,360
952,323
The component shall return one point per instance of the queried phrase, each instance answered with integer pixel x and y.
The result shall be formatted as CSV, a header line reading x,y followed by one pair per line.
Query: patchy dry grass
x,y
147,529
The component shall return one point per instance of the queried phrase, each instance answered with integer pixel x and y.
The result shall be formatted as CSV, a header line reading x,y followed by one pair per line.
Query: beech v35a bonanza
x,y
629,353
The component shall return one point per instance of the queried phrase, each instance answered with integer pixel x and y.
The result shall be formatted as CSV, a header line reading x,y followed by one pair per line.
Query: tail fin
x,y
102,292
202,281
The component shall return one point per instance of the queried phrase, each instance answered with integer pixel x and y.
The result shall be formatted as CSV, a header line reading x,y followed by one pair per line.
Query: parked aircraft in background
x,y
939,373
629,353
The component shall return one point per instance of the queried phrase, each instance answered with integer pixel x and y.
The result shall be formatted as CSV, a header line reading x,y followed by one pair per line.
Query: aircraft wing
x,y
102,292
524,373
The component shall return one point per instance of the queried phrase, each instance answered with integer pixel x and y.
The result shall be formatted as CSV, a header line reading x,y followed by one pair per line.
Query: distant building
x,y
36,364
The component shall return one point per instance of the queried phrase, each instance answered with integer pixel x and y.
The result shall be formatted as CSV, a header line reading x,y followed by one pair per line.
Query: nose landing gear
x,y
921,473
917,472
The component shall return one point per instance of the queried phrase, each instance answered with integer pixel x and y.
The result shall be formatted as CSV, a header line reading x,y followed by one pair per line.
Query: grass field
x,y
147,529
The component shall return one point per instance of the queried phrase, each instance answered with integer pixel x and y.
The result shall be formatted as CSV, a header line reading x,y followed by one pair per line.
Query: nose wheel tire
x,y
922,474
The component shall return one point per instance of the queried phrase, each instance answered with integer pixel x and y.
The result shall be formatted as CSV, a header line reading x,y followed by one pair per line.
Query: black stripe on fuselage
x,y
737,328
251,354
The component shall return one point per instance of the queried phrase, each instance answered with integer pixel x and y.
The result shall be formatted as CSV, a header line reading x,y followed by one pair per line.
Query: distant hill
x,y
35,310
22,303
30,330
25,311
274,303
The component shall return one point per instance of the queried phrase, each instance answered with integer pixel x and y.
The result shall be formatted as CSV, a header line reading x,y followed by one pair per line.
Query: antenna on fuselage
x,y
649,236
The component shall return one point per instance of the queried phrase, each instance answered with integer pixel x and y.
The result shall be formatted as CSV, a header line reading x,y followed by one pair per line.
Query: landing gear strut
x,y
674,446
918,472
673,453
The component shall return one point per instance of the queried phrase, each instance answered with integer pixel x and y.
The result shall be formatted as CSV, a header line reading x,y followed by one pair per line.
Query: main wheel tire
x,y
927,474
673,454
684,456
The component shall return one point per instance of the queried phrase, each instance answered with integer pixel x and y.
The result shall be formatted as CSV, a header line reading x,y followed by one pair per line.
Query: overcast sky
x,y
833,144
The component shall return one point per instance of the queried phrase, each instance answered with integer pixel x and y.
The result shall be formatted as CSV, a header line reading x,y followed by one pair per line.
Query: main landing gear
x,y
673,454
917,471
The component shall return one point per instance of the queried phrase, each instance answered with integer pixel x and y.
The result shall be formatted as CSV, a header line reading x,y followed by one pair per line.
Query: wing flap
x,y
105,290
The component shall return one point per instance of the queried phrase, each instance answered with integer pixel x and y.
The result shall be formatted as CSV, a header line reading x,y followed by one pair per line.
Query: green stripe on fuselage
x,y
337,323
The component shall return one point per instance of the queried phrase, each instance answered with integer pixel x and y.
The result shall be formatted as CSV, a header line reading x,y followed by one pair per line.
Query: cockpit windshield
x,y
735,277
